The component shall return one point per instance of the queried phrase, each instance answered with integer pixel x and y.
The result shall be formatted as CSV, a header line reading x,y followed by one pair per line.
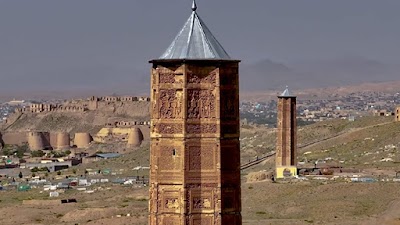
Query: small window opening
x,y
174,152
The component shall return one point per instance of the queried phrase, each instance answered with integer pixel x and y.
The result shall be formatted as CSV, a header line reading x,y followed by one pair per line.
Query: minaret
x,y
286,146
195,149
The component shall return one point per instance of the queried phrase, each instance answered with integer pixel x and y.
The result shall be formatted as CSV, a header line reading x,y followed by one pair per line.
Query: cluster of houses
x,y
88,183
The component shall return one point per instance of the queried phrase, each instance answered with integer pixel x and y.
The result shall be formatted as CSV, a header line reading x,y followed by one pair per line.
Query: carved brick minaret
x,y
195,149
286,146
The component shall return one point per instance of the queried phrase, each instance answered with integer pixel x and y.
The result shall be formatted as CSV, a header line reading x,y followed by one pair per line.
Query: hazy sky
x,y
72,42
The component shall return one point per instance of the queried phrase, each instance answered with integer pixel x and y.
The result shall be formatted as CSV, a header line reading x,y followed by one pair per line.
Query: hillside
x,y
362,143
88,121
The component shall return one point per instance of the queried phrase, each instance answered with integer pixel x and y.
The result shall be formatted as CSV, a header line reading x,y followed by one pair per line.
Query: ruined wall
x,y
397,116
107,103
37,140
119,134
15,138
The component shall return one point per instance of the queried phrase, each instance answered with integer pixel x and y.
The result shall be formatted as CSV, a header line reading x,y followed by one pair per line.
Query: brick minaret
x,y
195,149
286,146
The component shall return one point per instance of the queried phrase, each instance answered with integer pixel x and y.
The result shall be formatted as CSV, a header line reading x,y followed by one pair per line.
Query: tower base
x,y
286,171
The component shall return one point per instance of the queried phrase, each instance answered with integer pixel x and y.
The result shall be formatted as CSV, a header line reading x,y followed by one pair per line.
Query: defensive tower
x,y
36,141
63,141
82,140
195,149
135,137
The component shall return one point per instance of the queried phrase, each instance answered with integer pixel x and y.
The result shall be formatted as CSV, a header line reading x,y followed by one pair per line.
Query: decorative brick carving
x,y
188,176
203,79
154,77
201,104
202,203
201,128
169,158
201,158
167,78
167,128
203,185
202,220
170,104
171,221
171,203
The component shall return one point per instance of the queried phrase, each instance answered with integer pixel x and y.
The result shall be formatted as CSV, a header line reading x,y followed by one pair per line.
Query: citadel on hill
x,y
113,120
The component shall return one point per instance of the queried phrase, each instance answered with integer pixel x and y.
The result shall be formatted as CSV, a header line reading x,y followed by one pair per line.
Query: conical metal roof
x,y
195,41
286,93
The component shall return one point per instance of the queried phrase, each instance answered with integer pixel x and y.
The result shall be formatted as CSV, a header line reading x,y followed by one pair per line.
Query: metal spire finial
x,y
194,6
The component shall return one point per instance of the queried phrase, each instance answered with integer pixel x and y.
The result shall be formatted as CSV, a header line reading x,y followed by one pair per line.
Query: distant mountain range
x,y
263,76
268,75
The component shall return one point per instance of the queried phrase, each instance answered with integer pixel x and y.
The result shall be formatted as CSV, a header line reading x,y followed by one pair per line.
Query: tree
x,y
21,151
39,153
58,173
20,175
74,171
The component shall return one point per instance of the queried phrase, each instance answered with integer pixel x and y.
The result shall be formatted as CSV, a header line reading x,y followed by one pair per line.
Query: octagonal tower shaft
x,y
286,146
195,149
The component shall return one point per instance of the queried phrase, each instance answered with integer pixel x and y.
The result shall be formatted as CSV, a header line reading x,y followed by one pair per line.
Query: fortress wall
x,y
138,109
53,140
46,139
93,105
14,138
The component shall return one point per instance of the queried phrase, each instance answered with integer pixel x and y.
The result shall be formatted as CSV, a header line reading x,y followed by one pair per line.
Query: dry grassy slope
x,y
339,139
316,203
361,147
89,121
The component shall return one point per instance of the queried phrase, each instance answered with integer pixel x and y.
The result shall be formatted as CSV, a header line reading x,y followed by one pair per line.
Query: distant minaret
x,y
286,146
